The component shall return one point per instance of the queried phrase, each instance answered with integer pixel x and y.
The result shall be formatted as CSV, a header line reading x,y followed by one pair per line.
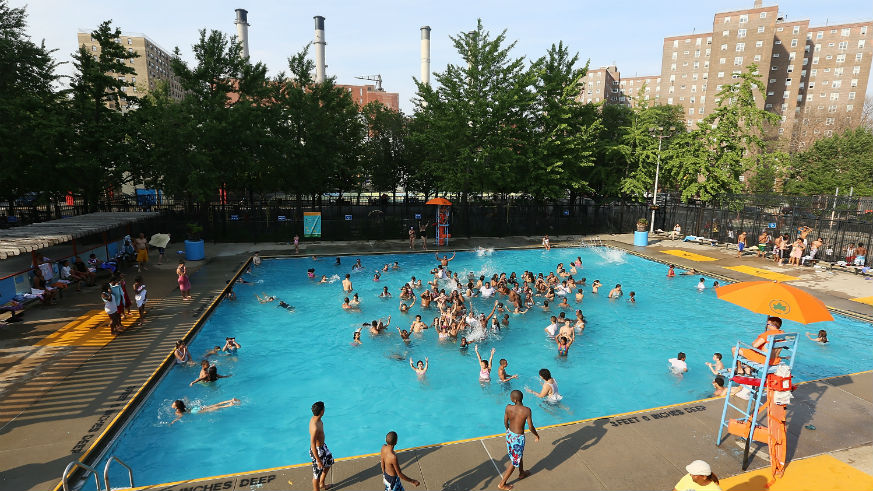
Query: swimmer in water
x,y
355,301
564,344
632,298
464,344
550,388
181,409
419,368
580,294
596,286
282,304
266,298
385,293
323,279
821,338
356,337
501,371
615,292
204,373
404,335
564,303
376,277
337,263
418,325
346,305
484,366
230,345
717,367
396,265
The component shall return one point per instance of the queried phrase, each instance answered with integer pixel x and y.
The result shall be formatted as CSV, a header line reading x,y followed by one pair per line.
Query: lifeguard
x,y
774,326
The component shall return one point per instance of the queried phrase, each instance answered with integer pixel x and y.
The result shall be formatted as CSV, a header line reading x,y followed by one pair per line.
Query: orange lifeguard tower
x,y
443,218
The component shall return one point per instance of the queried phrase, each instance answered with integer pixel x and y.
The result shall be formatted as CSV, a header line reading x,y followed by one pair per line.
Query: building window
x,y
759,44
774,68
727,20
721,60
814,72
724,47
768,106
675,43
691,110
725,33
720,74
845,32
851,96
669,100
835,96
860,44
858,57
785,95
815,60
819,34
685,52
760,29
770,92
854,82
772,80
744,18
863,30
793,43
741,33
696,66
843,45
849,108
777,42
841,58
738,61
838,71
757,57
837,84
775,55
787,82
675,55
741,47
795,30
93,49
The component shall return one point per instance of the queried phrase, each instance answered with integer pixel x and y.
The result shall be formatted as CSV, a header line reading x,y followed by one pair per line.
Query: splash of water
x,y
610,255
477,333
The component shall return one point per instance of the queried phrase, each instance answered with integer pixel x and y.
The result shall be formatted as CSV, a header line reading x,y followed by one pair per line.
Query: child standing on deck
x,y
139,295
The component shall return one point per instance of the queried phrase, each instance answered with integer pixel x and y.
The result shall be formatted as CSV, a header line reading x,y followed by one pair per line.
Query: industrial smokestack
x,y
319,49
425,55
242,30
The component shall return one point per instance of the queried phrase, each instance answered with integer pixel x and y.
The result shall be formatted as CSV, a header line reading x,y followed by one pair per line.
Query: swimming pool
x,y
290,360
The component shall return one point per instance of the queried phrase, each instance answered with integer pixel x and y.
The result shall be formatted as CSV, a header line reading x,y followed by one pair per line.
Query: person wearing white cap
x,y
699,478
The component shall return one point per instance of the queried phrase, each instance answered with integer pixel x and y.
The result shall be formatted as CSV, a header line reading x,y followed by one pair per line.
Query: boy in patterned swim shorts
x,y
318,451
514,418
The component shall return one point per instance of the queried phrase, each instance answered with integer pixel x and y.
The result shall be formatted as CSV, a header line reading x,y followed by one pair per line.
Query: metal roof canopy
x,y
20,240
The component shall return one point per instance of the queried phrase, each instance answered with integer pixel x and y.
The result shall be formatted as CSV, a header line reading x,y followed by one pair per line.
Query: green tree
x,y
839,161
223,109
726,144
33,134
99,91
478,120
563,137
384,152
639,144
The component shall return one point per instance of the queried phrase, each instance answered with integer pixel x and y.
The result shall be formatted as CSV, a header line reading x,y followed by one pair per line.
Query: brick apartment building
x,y
816,77
152,65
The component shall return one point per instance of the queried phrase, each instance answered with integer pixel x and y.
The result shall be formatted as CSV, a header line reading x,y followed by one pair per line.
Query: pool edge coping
x,y
129,408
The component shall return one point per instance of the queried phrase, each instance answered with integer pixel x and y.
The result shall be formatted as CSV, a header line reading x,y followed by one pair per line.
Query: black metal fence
x,y
838,220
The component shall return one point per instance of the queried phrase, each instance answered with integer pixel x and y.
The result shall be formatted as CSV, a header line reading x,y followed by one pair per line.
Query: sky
x,y
382,37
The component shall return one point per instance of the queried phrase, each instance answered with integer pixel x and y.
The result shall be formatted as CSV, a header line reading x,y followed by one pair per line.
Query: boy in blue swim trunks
x,y
391,473
514,418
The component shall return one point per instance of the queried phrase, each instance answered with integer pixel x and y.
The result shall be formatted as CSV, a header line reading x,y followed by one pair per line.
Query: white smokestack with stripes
x,y
319,49
242,30
425,55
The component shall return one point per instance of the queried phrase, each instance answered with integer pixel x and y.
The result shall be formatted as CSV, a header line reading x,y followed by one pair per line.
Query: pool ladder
x,y
92,471
595,242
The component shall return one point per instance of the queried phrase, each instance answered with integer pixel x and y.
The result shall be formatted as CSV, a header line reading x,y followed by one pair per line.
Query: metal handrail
x,y
88,468
106,471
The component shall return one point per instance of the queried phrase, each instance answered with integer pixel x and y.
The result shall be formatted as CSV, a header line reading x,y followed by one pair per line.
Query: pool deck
x,y
60,386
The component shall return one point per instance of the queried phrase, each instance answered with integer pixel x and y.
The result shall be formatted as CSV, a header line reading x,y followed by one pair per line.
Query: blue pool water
x,y
290,360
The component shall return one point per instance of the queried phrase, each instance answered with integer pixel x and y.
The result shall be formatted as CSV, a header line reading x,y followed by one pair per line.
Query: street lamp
x,y
660,134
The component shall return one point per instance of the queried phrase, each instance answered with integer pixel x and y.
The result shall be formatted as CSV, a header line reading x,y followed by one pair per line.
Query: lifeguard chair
x,y
443,219
765,379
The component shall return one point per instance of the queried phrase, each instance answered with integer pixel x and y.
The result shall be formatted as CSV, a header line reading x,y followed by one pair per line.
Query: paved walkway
x,y
60,386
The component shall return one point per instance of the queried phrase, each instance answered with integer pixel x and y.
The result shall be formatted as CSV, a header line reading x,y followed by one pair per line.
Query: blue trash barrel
x,y
195,250
641,238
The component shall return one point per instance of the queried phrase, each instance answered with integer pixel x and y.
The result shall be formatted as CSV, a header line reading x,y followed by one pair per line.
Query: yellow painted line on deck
x,y
812,474
867,300
91,329
689,255
762,273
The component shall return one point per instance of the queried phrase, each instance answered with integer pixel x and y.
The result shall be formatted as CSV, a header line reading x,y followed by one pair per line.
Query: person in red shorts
x,y
774,326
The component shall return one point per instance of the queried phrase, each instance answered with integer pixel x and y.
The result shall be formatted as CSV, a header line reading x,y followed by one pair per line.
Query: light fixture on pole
x,y
660,134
